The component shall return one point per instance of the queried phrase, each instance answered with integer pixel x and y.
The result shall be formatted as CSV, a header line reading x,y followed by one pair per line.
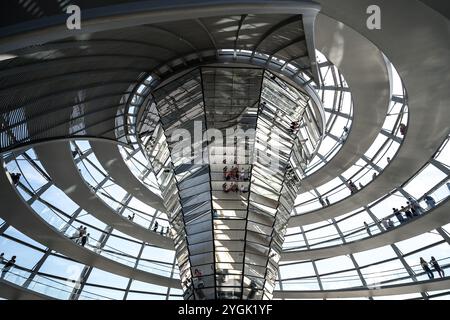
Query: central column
x,y
227,142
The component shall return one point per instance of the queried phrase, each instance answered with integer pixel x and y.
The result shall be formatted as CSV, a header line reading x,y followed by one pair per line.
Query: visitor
x,y
398,215
408,213
11,263
429,200
243,190
247,174
200,283
367,228
84,239
225,187
221,275
415,206
385,224
199,291
391,223
2,258
187,283
437,267
352,187
162,230
426,268
410,207
321,201
151,142
403,129
15,177
83,232
155,226
215,215
294,126
344,135
252,292
198,273
77,234
234,171
374,175
131,218
327,201
388,160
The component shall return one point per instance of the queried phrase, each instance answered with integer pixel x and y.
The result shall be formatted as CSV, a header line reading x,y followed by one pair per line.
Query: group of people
x,y
291,176
233,187
295,126
15,177
234,174
412,210
200,284
353,188
387,224
404,214
163,230
8,264
80,236
325,202
429,200
435,266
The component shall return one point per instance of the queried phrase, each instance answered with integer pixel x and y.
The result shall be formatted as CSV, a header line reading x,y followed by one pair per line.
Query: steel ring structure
x,y
212,149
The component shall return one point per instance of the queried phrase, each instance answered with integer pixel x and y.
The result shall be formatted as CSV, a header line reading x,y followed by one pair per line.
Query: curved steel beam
x,y
241,22
274,28
61,167
210,36
20,215
74,43
96,20
420,225
11,291
44,64
356,58
426,130
113,162
396,289
67,76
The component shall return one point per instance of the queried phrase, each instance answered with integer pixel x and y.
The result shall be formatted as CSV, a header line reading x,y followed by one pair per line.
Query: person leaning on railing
x,y
429,200
426,268
437,267
8,266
